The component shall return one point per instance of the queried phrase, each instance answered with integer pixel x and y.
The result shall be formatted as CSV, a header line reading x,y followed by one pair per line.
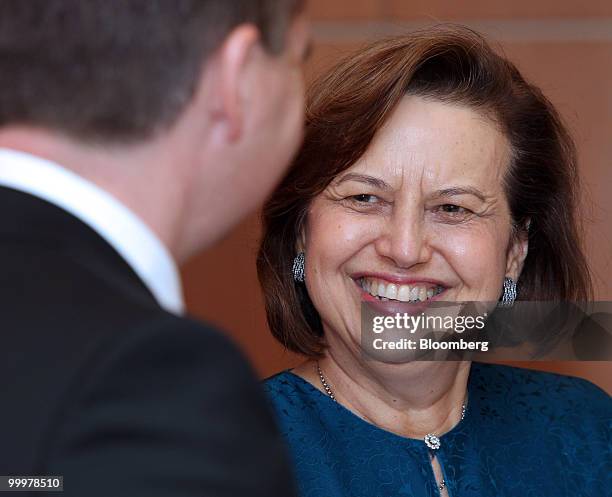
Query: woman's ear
x,y
517,251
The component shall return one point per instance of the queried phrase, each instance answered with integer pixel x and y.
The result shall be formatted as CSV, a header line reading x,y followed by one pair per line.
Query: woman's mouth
x,y
385,291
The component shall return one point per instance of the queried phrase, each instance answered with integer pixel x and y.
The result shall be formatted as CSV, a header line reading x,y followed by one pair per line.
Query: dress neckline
x,y
329,403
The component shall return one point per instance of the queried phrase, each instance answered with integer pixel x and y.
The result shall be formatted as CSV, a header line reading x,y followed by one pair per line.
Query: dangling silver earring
x,y
509,295
298,267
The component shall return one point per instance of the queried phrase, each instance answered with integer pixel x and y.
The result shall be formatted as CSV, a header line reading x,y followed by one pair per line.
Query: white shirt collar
x,y
112,220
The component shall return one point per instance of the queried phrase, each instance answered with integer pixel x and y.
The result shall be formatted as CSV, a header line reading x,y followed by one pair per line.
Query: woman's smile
x,y
385,294
380,288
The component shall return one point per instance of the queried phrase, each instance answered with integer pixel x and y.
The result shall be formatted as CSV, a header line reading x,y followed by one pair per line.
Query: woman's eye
x,y
364,202
452,208
364,198
454,211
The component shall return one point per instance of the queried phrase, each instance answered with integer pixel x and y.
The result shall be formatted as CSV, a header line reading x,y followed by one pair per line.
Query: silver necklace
x,y
431,440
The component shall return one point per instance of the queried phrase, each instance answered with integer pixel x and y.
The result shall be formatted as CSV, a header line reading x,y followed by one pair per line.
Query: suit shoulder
x,y
183,403
176,343
175,369
170,326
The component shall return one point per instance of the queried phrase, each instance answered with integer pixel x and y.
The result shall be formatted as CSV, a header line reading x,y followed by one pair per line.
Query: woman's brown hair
x,y
350,103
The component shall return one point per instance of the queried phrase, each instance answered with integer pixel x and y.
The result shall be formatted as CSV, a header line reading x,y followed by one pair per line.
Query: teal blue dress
x,y
524,433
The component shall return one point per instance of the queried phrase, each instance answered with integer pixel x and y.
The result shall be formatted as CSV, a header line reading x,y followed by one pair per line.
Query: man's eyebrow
x,y
364,178
461,190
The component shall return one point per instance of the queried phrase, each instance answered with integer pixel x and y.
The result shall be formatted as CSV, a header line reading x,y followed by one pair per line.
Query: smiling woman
x,y
430,171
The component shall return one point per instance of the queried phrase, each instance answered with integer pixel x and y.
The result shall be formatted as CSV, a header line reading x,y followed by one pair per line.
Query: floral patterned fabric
x,y
525,433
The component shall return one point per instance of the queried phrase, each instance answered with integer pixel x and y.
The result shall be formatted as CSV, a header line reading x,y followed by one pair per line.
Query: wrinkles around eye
x,y
448,213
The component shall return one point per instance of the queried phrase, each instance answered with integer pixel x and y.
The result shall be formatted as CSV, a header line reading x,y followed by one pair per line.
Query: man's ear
x,y
233,61
517,251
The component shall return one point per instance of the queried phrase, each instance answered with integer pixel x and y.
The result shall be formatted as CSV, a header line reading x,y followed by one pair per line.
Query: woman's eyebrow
x,y
382,185
364,178
461,190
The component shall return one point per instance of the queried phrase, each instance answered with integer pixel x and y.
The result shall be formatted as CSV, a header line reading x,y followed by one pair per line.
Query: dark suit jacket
x,y
102,386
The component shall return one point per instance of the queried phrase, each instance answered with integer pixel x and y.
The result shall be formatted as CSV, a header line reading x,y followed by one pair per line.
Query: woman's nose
x,y
404,239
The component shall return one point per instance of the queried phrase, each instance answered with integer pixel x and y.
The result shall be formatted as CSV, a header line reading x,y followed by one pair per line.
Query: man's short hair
x,y
102,71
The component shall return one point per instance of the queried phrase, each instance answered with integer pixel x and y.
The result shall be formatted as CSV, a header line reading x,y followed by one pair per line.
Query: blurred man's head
x,y
213,85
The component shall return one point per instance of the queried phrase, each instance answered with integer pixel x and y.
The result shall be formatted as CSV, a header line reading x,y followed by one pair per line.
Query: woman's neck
x,y
410,399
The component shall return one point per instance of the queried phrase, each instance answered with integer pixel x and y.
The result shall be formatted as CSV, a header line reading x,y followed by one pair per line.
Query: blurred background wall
x,y
564,46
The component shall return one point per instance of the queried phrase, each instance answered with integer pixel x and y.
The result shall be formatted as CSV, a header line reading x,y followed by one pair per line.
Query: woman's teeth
x,y
404,293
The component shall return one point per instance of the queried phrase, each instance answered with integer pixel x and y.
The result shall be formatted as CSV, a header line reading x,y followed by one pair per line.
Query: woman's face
x,y
421,215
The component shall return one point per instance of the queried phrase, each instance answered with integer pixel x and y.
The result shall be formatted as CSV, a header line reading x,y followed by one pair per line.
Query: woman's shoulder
x,y
281,383
278,380
538,390
502,378
298,406
286,389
